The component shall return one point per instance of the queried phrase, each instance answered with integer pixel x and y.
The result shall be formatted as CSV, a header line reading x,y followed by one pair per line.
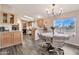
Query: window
x,y
65,25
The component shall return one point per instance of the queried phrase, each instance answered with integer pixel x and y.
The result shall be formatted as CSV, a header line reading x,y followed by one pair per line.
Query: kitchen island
x,y
10,38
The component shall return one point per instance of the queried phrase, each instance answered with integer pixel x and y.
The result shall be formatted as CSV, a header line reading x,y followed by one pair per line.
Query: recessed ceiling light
x,y
28,17
38,16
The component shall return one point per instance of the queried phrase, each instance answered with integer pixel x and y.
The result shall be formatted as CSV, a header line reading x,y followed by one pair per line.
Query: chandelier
x,y
54,11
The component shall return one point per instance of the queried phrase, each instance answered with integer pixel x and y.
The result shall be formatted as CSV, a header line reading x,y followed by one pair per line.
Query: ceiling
x,y
34,10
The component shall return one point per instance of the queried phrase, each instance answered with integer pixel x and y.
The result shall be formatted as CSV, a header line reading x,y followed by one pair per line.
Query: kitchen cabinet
x,y
0,40
17,38
10,38
11,19
6,39
1,18
7,18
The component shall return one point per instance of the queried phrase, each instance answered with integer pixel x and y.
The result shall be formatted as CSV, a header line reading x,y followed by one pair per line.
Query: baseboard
x,y
73,45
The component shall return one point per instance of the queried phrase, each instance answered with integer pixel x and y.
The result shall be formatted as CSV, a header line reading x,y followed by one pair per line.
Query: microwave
x,y
15,27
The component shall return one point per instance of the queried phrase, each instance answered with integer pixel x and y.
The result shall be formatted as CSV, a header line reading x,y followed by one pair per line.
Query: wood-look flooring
x,y
13,50
28,47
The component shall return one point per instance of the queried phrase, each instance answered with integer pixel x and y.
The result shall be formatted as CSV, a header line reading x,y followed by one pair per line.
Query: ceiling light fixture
x,y
54,11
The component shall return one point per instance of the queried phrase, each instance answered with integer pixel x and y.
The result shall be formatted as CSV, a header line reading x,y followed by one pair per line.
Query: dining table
x,y
56,35
51,37
56,39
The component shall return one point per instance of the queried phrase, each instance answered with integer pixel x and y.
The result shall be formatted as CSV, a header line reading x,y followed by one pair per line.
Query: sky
x,y
64,22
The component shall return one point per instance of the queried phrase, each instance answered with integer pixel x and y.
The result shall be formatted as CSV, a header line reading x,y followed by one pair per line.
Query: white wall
x,y
20,24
